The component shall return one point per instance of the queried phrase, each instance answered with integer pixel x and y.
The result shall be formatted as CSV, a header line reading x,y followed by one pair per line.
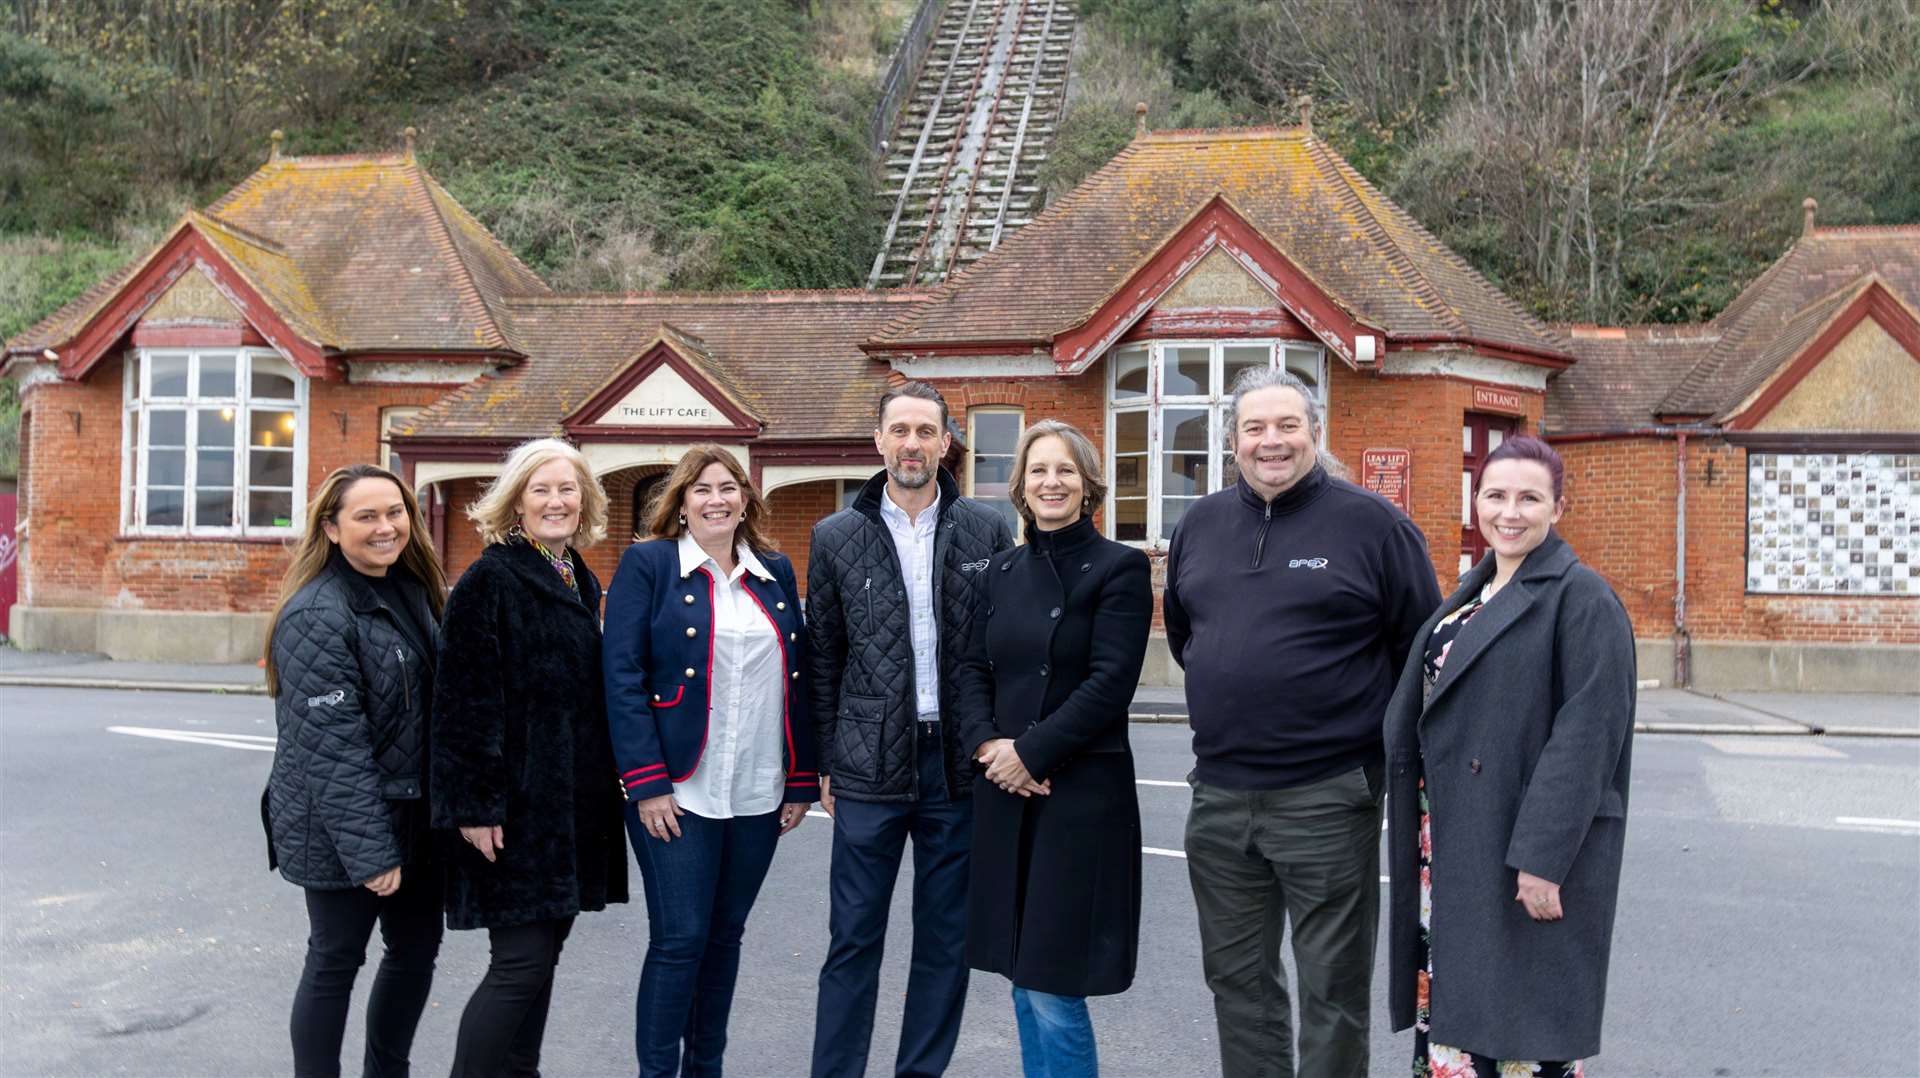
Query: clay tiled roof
x,y
1622,372
1627,376
1768,323
791,357
1310,204
365,253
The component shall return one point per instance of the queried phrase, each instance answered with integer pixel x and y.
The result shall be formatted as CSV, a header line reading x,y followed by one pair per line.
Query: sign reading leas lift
x,y
1389,473
664,399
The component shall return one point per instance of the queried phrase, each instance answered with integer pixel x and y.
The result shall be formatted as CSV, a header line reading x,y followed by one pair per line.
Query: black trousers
x,y
339,925
506,1017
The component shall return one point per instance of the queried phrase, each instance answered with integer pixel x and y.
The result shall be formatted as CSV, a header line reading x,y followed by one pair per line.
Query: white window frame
x,y
1156,401
137,399
390,418
1020,414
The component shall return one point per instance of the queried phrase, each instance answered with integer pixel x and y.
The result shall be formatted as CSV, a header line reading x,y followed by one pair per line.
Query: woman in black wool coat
x,y
1054,901
522,764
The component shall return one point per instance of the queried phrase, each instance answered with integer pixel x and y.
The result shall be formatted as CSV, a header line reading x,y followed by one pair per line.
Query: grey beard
x,y
907,481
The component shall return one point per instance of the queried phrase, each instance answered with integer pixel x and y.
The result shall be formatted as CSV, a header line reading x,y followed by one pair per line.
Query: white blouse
x,y
741,770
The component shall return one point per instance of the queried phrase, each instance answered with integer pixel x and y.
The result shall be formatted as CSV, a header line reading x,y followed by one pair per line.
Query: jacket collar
x,y
868,500
533,567
1065,542
692,558
1292,499
1551,559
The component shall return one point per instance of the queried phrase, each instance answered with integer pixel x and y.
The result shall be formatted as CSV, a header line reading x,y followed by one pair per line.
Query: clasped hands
x,y
1006,770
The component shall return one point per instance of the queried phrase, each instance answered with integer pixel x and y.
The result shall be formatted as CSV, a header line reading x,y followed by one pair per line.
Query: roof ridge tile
x,y
444,242
1391,250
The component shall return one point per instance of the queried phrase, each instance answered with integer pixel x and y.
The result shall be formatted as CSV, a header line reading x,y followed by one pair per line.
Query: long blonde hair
x,y
312,552
498,509
663,518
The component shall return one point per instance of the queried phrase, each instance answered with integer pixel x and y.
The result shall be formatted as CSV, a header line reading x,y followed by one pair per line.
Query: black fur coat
x,y
520,740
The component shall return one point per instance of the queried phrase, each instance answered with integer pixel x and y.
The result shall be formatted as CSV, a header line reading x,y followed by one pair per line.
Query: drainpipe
x,y
1682,645
437,519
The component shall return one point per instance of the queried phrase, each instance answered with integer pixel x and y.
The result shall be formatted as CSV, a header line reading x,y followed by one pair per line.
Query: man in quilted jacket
x,y
893,585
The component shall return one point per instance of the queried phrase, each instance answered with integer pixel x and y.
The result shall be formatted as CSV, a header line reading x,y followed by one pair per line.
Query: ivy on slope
x,y
667,142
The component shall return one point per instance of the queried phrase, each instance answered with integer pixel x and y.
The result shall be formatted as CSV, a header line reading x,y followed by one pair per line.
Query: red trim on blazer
x,y
712,616
675,702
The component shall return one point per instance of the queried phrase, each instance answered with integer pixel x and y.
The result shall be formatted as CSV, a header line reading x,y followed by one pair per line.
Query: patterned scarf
x,y
560,562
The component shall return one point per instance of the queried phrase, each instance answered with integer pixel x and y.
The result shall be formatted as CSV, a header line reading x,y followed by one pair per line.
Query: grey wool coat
x,y
1525,744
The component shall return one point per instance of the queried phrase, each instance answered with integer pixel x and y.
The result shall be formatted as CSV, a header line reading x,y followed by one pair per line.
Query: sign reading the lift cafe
x,y
664,399
1501,401
1389,473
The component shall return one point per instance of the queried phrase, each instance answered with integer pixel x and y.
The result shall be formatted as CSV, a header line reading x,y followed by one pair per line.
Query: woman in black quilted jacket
x,y
350,658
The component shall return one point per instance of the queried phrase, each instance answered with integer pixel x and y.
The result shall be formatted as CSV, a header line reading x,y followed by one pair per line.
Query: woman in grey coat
x,y
1508,741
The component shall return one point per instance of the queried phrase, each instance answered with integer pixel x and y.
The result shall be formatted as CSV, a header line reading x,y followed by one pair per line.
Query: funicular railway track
x,y
961,167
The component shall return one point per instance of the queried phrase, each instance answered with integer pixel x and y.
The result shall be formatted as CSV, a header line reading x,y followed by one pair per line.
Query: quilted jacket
x,y
861,658
346,798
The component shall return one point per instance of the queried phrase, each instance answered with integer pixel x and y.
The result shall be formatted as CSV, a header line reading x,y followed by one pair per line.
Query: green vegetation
x,y
1654,190
613,144
639,144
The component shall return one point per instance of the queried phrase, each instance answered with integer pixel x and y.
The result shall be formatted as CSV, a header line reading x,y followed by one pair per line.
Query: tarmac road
x,y
1770,921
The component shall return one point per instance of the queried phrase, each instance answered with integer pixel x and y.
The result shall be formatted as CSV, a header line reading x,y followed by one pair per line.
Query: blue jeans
x,y
699,889
868,841
1056,1035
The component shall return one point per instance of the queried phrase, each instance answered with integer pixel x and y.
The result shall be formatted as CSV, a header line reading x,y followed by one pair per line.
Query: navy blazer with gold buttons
x,y
658,662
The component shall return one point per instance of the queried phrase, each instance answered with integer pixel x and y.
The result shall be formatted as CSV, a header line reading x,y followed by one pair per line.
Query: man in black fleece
x,y
1292,599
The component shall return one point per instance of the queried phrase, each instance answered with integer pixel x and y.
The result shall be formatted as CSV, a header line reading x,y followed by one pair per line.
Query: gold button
x,y
689,600
796,673
780,606
689,671
656,698
691,631
793,636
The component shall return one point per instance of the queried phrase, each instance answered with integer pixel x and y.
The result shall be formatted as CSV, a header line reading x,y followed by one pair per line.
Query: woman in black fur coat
x,y
522,765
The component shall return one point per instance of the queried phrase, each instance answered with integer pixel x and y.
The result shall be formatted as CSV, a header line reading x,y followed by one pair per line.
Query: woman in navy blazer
x,y
706,701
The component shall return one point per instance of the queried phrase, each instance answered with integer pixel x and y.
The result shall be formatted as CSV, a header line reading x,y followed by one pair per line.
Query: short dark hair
x,y
916,390
1526,447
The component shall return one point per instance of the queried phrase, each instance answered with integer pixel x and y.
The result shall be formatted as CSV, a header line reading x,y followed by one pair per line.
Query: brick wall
x,y
1621,522
1422,415
75,554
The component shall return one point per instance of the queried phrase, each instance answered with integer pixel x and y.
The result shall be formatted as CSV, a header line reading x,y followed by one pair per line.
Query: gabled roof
x,y
1778,314
1370,256
355,254
790,358
1630,377
694,362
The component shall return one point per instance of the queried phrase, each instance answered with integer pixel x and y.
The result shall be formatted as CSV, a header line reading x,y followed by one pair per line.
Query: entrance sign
x,y
1501,401
664,399
1389,473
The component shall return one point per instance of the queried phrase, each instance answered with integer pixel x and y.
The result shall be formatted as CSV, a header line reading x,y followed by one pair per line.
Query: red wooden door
x,y
1480,434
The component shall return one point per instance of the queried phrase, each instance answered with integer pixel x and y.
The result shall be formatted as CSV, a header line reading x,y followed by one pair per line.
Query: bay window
x,y
213,443
1166,443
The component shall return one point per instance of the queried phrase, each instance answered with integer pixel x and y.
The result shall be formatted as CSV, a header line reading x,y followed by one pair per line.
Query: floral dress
x,y
1430,1059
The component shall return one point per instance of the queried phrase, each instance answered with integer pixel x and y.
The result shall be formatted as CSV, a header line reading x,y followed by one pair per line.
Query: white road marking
x,y
250,742
1878,822
1181,854
1803,747
1156,782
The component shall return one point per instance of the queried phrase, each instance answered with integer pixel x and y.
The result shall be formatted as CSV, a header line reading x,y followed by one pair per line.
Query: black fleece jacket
x,y
1292,619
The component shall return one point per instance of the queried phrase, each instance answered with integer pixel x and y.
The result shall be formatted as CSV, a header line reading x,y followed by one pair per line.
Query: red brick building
x,y
336,309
